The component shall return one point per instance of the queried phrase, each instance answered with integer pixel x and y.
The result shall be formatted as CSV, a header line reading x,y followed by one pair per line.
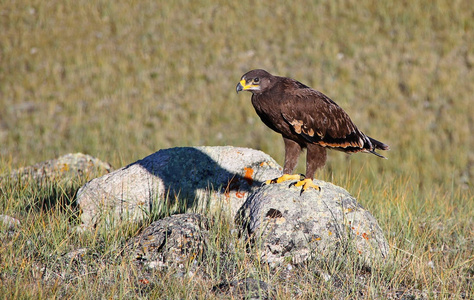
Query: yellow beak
x,y
240,87
243,86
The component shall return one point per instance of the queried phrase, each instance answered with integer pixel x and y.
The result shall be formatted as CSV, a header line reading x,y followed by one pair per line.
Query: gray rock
x,y
290,227
174,241
247,288
178,179
62,169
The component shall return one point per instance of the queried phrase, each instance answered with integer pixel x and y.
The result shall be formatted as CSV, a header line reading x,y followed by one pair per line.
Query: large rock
x,y
179,178
287,226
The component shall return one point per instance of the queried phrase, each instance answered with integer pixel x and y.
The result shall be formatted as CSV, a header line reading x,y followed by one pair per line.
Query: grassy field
x,y
120,80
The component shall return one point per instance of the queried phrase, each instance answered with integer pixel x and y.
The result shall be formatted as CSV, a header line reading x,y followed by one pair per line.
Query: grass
x,y
120,80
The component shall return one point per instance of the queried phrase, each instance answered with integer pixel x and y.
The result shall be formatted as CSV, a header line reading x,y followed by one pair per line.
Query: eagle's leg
x,y
315,159
292,152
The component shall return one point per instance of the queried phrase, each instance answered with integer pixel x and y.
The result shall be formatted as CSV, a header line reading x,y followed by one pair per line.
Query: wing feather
x,y
319,120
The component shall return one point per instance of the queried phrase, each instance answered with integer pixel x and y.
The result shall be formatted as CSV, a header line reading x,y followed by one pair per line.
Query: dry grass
x,y
120,80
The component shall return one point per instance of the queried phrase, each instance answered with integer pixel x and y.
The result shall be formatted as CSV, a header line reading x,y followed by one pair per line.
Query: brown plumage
x,y
306,118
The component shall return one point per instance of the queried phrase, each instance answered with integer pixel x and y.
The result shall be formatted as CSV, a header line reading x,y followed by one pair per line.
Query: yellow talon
x,y
285,177
305,184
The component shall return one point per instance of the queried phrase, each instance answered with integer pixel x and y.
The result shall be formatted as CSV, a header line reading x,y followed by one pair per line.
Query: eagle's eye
x,y
256,80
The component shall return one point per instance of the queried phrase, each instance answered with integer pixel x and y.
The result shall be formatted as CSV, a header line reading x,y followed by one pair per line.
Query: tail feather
x,y
378,145
379,155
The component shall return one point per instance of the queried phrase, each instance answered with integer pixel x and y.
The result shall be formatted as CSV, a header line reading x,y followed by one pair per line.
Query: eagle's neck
x,y
267,109
263,103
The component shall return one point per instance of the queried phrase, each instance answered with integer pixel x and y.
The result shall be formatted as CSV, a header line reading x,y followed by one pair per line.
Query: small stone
x,y
76,253
247,288
9,222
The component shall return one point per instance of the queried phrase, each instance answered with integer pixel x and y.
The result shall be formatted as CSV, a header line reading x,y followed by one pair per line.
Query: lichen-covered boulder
x,y
182,179
287,226
174,241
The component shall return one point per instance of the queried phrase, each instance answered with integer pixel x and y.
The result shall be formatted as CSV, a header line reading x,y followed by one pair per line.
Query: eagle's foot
x,y
305,184
285,177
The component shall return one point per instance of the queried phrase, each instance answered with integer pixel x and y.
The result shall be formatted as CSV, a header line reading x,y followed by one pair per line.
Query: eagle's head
x,y
255,81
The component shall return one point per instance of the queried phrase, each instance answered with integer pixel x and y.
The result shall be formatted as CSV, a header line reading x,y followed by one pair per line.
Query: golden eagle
x,y
306,118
